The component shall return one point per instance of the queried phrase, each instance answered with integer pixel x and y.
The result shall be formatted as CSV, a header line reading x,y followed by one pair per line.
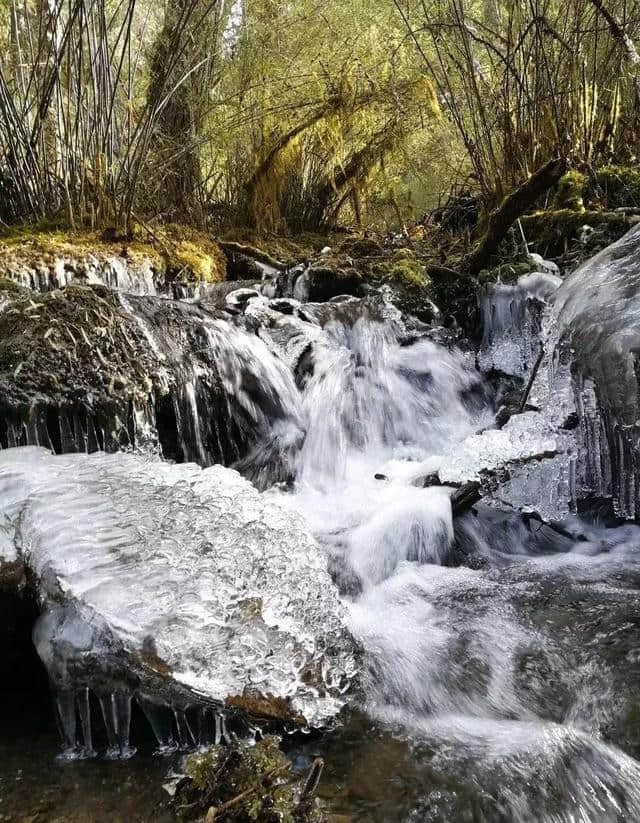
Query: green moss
x,y
617,187
408,271
178,252
551,232
254,780
570,191
505,273
285,249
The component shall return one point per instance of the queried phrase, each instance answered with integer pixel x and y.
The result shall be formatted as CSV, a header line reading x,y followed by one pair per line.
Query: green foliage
x,y
244,783
617,186
304,115
570,191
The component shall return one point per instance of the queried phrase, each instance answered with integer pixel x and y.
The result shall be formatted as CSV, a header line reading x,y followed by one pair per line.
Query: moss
x,y
571,190
243,783
551,232
266,707
192,255
285,249
408,271
505,273
617,187
177,252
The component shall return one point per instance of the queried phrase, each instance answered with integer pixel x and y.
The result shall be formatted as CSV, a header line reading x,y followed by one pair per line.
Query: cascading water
x,y
500,651
479,634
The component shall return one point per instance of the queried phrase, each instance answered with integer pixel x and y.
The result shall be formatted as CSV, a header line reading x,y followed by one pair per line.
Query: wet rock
x,y
320,283
86,368
236,300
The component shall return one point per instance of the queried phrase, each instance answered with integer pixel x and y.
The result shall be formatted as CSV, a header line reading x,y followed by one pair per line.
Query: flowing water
x,y
500,668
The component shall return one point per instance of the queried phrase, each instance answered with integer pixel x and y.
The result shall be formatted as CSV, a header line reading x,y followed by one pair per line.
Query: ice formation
x,y
512,316
181,585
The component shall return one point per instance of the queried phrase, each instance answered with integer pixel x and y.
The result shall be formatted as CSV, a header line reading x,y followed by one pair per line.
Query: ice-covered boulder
x,y
183,587
595,331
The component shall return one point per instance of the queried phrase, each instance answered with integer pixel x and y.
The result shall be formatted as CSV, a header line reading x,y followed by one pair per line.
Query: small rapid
x,y
501,647
496,649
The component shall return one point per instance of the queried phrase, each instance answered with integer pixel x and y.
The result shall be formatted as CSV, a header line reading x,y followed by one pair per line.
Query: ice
x,y
512,316
191,568
594,327
526,436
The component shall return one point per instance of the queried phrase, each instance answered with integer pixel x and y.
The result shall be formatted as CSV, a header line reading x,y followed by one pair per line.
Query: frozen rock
x,y
179,585
525,437
595,331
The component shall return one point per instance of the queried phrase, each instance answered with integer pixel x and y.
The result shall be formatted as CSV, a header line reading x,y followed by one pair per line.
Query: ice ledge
x,y
186,575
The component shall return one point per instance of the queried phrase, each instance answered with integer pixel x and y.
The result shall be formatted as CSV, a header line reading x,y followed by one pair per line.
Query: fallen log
x,y
231,247
512,207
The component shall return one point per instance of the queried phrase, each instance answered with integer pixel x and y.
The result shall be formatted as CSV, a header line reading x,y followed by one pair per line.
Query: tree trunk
x,y
512,207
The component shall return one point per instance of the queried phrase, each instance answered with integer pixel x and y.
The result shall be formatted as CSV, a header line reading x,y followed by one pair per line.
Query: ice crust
x,y
228,587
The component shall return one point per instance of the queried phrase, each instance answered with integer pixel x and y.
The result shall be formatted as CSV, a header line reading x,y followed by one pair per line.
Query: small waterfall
x,y
500,645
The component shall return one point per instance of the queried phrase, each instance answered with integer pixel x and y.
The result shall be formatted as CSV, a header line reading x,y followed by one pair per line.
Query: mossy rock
x,y
505,273
550,233
174,253
570,191
359,247
192,255
243,783
617,187
408,271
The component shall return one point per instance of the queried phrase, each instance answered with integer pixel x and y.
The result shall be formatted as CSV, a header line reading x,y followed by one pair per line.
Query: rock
x,y
321,283
145,570
86,368
236,300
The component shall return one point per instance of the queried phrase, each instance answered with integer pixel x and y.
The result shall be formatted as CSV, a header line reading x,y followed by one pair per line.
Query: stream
x,y
498,669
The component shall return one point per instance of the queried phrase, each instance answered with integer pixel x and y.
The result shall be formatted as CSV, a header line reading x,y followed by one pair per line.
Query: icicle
x,y
185,735
159,717
92,436
12,436
67,438
31,429
81,441
84,710
66,711
122,704
107,704
116,711
204,738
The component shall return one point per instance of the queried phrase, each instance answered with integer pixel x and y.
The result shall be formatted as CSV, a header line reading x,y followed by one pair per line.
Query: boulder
x,y
180,587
